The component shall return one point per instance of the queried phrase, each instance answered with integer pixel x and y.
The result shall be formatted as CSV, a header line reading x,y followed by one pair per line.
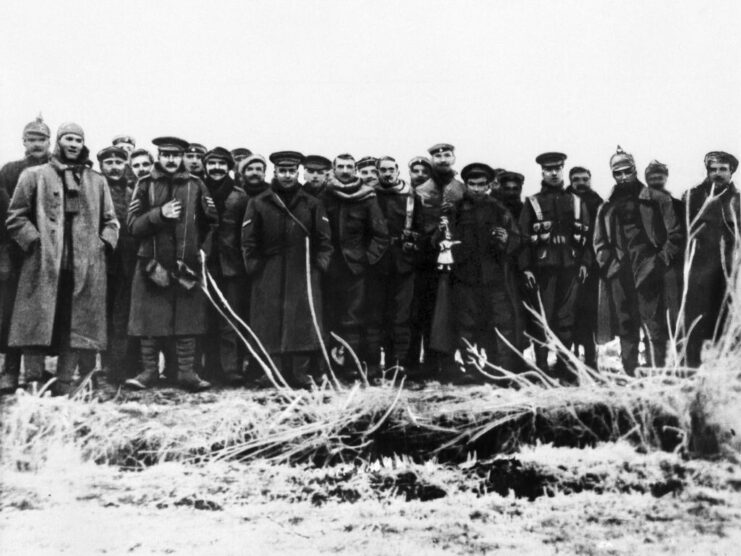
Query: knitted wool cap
x,y
70,127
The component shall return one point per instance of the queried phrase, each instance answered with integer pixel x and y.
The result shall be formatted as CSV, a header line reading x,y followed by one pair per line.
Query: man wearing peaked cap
x,y
240,153
223,354
555,258
279,226
637,290
510,191
59,209
126,142
36,145
367,171
193,159
419,170
438,195
477,169
316,170
713,208
170,214
122,354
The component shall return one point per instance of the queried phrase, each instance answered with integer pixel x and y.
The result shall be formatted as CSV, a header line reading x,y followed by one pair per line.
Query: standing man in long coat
x,y
171,214
36,144
585,327
222,349
120,360
636,238
275,230
556,260
714,215
62,217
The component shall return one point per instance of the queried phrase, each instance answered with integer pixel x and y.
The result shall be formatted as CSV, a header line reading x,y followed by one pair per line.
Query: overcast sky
x,y
501,80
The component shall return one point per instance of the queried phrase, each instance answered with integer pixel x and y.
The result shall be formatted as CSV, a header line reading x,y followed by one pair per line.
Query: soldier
x,y
483,300
390,282
714,216
437,196
62,217
419,170
170,214
193,160
128,144
223,353
585,327
239,154
657,174
316,171
359,238
556,260
36,145
276,227
252,175
141,162
367,171
636,238
122,355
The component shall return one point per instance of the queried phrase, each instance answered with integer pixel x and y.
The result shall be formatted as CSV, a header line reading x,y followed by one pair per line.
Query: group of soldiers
x,y
350,267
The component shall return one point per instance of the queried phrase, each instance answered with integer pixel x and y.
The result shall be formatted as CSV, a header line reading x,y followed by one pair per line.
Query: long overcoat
x,y
663,231
273,246
36,220
171,310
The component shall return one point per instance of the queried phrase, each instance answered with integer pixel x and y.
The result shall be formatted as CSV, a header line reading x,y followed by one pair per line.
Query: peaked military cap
x,y
366,161
477,169
721,157
550,159
621,159
219,153
317,162
112,152
286,158
170,144
123,139
441,147
241,152
423,160
38,127
656,167
511,176
197,148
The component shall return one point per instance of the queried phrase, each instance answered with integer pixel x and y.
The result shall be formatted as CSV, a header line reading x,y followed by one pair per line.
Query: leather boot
x,y
150,366
11,371
66,366
186,356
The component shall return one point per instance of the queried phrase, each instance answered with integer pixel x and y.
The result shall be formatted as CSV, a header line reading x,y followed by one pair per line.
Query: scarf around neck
x,y
71,172
219,191
399,188
355,191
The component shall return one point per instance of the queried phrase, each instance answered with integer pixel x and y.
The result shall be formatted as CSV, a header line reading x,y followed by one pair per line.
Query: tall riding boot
x,y
590,354
185,349
150,362
66,366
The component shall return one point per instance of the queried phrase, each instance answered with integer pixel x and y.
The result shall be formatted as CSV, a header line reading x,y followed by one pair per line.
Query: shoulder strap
x,y
536,207
577,206
285,209
409,212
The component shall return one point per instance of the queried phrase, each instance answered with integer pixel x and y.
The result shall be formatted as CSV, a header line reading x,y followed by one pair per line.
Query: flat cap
x,y
656,167
441,147
70,128
423,160
112,152
286,158
170,143
197,148
550,159
254,157
621,160
241,152
511,176
219,153
123,139
721,157
477,169
366,161
38,127
317,162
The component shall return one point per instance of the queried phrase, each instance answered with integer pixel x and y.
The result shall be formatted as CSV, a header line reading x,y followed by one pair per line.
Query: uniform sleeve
x,y
377,231
19,222
513,233
251,226
109,221
587,256
322,251
602,249
525,226
674,236
143,220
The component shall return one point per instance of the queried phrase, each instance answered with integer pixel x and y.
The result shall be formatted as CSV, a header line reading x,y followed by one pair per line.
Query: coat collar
x,y
158,173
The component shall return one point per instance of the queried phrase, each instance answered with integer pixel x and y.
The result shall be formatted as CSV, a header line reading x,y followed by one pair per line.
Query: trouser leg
x,y
149,349
11,370
375,311
629,352
185,349
401,309
653,318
